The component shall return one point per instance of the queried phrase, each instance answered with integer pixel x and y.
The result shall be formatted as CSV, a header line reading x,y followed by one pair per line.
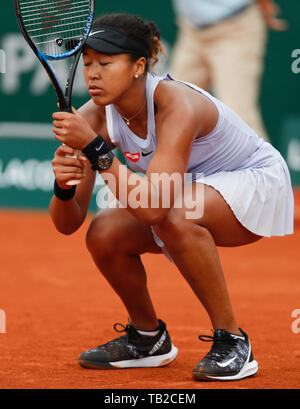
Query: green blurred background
x,y
27,101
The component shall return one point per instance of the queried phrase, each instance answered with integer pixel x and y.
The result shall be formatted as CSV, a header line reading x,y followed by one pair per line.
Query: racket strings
x,y
55,26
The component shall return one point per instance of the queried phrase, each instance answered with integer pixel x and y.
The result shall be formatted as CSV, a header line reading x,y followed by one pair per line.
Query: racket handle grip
x,y
73,182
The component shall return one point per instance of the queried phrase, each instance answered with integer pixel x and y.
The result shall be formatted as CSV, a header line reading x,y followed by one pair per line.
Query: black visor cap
x,y
111,41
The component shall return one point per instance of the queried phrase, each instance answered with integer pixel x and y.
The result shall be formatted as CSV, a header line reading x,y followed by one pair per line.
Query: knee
x,y
175,230
101,238
173,227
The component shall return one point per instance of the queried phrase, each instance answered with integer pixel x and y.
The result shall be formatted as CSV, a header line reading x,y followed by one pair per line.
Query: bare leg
x,y
115,240
192,245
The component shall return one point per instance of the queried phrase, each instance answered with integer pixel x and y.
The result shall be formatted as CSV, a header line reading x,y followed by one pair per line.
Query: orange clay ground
x,y
57,305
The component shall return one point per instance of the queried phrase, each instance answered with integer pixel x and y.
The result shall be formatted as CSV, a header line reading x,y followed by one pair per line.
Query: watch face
x,y
104,161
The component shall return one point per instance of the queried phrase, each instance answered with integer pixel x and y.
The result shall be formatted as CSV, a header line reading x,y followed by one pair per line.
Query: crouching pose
x,y
164,127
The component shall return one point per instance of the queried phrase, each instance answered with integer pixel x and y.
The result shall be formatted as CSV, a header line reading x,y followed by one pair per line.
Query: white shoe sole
x,y
148,362
248,370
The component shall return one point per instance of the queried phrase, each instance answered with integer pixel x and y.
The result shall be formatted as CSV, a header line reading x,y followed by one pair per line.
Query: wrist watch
x,y
104,161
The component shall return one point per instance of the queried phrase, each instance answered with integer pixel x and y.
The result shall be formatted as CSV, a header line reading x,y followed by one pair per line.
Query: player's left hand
x,y
72,129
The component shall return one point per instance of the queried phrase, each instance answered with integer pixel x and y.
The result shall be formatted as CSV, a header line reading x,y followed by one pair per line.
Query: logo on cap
x,y
96,32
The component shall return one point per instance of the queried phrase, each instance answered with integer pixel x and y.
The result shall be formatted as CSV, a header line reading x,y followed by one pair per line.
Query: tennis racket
x,y
56,30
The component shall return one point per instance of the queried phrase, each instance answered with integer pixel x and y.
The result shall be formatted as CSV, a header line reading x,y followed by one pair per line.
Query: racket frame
x,y
64,99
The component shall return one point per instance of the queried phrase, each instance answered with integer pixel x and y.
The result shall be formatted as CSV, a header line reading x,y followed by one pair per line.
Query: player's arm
x,y
177,125
176,129
183,114
69,215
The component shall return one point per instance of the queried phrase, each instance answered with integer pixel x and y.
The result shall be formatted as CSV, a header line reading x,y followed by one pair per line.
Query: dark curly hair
x,y
144,32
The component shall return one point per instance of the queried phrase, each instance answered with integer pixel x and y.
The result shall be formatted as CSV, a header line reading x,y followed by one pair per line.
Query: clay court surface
x,y
57,305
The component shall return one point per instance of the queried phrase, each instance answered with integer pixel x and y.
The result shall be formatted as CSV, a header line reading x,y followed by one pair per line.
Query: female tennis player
x,y
164,127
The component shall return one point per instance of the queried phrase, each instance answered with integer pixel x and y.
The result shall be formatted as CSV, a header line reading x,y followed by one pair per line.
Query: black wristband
x,y
64,194
96,148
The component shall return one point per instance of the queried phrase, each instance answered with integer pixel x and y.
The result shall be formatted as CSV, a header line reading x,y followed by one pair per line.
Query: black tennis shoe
x,y
132,350
229,359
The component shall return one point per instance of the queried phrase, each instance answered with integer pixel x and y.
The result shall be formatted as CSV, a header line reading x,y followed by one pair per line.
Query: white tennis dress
x,y
249,173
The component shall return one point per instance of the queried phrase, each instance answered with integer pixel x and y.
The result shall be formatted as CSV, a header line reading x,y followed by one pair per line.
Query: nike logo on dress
x,y
146,154
224,364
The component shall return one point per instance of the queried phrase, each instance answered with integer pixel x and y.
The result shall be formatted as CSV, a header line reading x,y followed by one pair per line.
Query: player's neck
x,y
134,103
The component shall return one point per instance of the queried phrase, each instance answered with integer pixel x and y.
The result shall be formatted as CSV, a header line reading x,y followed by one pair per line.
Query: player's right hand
x,y
68,168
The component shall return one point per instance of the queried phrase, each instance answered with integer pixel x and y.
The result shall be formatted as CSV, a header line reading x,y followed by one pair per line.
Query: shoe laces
x,y
133,339
124,328
132,334
222,345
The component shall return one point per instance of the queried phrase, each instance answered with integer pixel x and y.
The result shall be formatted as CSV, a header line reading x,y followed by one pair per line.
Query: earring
x,y
136,76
